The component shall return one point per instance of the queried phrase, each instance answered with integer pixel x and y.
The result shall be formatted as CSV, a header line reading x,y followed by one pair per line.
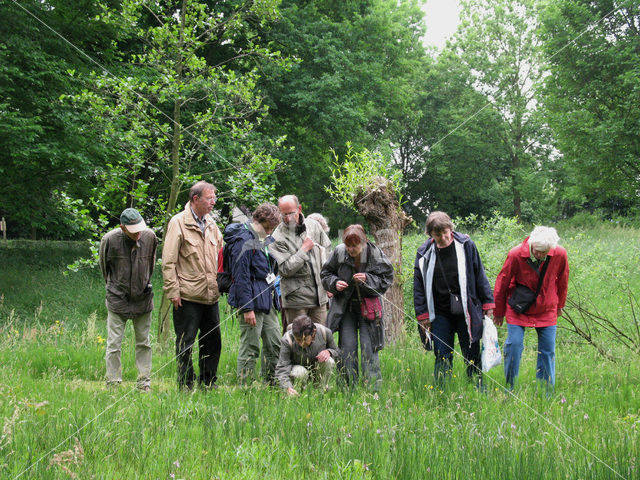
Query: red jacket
x,y
553,293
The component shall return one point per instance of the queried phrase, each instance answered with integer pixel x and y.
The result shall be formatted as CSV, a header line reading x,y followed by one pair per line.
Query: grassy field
x,y
59,421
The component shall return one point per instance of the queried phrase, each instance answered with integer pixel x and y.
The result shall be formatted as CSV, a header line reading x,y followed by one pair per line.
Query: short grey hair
x,y
544,238
199,187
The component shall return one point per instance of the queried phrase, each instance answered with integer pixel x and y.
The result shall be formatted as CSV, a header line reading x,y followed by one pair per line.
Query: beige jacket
x,y
190,259
300,285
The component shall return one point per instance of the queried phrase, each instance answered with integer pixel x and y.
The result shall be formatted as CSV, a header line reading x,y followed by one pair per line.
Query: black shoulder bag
x,y
523,297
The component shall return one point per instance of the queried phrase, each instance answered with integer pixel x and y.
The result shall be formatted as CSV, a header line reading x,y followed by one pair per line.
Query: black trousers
x,y
188,319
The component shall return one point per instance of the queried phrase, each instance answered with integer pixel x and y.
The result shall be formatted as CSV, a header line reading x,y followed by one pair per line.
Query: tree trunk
x,y
165,304
379,206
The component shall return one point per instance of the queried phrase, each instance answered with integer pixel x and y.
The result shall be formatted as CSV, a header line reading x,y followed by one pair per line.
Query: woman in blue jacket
x,y
252,291
451,294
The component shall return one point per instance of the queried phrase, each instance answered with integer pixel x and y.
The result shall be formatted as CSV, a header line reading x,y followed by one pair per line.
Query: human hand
x,y
177,302
497,321
359,277
323,356
329,294
341,285
307,244
425,324
292,392
488,313
250,318
560,312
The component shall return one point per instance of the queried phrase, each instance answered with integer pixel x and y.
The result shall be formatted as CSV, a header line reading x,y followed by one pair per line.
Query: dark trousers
x,y
187,320
443,331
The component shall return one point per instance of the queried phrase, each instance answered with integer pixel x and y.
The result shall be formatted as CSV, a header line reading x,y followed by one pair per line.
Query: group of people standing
x,y
281,265
280,261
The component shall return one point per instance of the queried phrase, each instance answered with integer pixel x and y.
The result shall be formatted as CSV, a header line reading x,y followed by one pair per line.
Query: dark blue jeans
x,y
443,331
190,318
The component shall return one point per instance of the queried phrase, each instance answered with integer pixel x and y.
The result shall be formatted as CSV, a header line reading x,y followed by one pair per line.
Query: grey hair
x,y
321,220
199,187
544,238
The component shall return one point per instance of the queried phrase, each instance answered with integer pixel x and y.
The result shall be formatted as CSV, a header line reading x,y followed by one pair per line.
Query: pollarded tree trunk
x,y
378,204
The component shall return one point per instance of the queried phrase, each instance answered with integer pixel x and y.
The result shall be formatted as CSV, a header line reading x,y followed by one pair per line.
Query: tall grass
x,y
59,420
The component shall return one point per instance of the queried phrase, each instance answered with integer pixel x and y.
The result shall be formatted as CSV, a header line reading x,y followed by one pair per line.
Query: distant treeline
x,y
531,110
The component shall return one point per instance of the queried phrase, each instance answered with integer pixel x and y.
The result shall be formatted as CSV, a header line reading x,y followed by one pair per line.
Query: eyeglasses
x,y
288,214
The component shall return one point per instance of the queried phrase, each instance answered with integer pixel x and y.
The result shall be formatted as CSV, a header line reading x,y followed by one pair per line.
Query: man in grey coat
x,y
307,348
127,258
299,249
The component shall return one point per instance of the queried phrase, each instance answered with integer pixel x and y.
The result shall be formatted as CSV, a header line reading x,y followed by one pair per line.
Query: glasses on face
x,y
288,214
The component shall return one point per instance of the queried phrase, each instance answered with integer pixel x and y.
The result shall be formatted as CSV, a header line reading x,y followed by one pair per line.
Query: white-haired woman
x,y
516,298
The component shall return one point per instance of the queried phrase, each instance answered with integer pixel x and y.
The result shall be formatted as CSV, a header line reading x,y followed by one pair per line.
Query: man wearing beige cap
x,y
127,258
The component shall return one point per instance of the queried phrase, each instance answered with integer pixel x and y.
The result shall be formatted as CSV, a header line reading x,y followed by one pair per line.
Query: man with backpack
x,y
252,292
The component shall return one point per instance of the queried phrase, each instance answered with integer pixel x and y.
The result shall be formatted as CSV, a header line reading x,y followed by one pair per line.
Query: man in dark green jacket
x,y
127,258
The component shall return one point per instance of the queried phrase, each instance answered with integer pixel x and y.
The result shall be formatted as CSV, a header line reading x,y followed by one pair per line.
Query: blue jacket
x,y
250,265
474,286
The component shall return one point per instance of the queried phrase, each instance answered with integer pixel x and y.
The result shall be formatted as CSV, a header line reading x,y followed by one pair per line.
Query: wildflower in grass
x,y
172,475
378,431
586,416
513,427
563,399
177,463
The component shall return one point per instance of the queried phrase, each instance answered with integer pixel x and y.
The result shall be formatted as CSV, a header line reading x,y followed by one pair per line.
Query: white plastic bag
x,y
491,355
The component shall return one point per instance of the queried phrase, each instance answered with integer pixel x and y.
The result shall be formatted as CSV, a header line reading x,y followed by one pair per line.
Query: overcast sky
x,y
442,18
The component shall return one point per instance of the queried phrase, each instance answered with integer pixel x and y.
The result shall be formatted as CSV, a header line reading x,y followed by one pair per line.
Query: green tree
x,y
498,43
354,63
173,111
46,162
369,184
447,148
591,97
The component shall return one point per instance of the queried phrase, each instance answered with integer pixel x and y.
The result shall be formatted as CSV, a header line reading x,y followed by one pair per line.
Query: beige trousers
x,y
115,334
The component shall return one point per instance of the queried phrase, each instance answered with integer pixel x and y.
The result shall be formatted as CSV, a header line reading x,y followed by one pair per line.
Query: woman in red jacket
x,y
523,267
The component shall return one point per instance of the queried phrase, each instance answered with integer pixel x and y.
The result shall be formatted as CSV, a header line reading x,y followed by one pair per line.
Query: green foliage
x,y
356,172
356,62
46,162
591,97
181,106
498,44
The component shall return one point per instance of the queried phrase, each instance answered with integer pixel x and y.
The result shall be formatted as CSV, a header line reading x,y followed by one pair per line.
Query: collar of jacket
x,y
190,221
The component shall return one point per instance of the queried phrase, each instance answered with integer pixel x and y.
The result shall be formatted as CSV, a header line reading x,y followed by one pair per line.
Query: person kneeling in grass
x,y
307,348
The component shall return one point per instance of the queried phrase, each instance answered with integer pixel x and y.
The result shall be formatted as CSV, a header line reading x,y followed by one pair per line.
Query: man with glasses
x,y
298,249
189,268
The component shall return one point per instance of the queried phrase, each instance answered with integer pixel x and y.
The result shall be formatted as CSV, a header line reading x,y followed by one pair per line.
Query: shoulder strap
x,y
542,272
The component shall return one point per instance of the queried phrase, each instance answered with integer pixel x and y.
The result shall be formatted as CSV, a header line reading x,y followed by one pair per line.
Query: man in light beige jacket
x,y
189,268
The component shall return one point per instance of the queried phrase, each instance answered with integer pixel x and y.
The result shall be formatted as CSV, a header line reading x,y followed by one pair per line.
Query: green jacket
x,y
300,284
127,267
293,354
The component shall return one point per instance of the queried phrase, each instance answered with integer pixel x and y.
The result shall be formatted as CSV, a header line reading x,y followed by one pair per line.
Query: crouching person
x,y
306,349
